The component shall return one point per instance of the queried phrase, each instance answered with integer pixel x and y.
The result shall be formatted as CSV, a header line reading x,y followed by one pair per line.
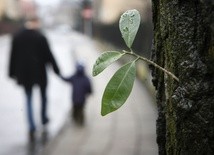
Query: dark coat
x,y
30,53
81,87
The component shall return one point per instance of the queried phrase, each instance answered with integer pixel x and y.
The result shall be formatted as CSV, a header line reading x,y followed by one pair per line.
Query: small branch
x,y
154,64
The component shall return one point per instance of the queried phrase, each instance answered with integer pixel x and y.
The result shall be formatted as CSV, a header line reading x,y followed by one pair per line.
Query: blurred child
x,y
81,89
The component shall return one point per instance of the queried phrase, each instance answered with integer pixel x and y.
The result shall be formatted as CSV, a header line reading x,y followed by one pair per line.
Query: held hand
x,y
56,70
61,77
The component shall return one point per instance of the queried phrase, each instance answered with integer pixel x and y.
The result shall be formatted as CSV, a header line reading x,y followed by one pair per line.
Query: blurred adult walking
x,y
30,54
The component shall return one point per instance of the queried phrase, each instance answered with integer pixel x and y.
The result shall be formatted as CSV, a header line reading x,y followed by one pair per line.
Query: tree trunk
x,y
184,45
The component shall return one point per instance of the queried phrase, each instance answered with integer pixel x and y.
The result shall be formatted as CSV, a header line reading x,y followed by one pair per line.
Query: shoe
x,y
31,135
45,121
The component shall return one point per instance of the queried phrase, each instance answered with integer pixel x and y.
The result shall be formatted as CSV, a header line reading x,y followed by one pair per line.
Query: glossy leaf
x,y
105,60
119,88
129,25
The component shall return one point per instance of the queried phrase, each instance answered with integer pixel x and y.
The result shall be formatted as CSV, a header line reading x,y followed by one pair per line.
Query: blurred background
x,y
94,17
78,30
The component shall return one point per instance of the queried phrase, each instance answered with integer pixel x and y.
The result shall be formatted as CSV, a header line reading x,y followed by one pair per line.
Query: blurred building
x,y
109,11
10,9
12,13
2,8
106,20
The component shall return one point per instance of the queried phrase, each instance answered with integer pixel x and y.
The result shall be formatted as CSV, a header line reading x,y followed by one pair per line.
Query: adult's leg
x,y
44,116
28,92
81,115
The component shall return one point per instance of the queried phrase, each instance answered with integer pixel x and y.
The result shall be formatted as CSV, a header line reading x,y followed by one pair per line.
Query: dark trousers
x,y
29,107
78,114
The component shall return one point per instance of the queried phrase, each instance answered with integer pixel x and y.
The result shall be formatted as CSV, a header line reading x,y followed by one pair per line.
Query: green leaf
x,y
119,88
129,25
105,60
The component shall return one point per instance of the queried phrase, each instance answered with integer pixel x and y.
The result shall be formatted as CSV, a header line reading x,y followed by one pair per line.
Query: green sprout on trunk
x,y
120,85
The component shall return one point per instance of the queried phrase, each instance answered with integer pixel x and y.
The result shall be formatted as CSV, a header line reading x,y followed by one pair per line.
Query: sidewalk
x,y
128,131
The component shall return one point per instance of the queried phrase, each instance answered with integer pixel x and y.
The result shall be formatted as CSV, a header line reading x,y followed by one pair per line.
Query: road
x,y
130,130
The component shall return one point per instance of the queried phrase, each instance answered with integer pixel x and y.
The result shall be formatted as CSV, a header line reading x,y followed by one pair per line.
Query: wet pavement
x,y
128,131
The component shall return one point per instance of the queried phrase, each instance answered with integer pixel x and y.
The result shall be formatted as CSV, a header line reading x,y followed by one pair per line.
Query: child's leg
x,y
81,114
75,113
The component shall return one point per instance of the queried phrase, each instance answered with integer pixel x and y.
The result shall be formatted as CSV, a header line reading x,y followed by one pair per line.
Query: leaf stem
x,y
152,63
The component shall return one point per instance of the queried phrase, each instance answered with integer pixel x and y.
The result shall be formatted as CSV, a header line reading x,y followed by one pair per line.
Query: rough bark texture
x,y
184,45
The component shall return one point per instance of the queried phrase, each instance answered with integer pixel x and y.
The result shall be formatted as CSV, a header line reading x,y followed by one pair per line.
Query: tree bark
x,y
184,44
